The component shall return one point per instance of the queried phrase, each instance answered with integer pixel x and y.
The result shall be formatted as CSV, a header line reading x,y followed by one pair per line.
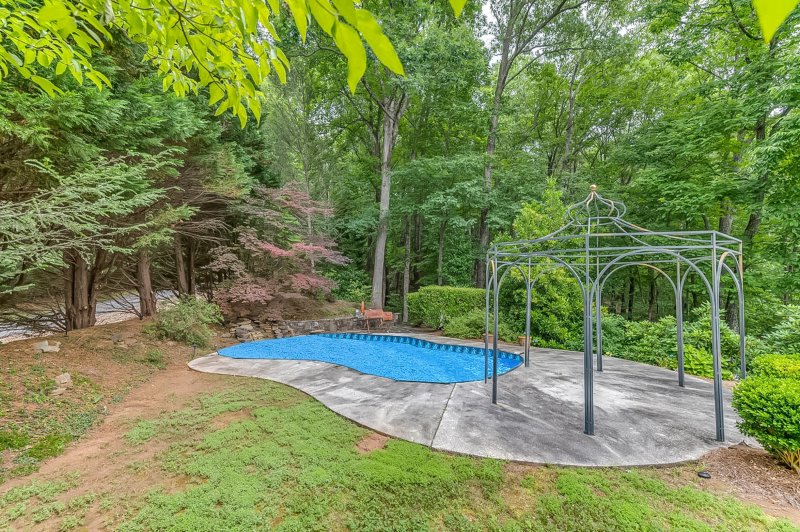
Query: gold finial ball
x,y
593,188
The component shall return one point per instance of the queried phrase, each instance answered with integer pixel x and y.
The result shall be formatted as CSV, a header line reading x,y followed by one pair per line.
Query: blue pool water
x,y
395,357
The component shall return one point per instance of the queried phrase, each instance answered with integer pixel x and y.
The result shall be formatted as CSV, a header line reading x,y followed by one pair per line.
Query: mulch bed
x,y
753,472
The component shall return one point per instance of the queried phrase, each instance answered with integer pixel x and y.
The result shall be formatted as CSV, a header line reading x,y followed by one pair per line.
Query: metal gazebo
x,y
595,242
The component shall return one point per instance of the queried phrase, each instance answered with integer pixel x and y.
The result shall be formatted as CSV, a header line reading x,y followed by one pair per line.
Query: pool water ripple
x,y
401,358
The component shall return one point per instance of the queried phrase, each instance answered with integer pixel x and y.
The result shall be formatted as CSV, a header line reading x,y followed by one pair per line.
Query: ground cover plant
x,y
260,455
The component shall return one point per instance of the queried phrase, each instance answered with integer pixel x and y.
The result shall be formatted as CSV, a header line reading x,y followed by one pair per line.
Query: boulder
x,y
58,391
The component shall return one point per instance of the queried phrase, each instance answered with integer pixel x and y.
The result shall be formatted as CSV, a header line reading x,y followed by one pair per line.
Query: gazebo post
x,y
599,327
679,321
588,370
528,324
496,326
715,342
486,332
742,337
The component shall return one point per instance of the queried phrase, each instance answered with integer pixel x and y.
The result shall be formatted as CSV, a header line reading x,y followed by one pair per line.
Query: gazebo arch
x,y
594,243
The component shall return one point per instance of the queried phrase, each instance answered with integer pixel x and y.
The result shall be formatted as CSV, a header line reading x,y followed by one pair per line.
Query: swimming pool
x,y
400,358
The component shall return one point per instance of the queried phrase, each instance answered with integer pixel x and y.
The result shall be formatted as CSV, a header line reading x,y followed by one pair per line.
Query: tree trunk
x,y
190,269
80,297
393,110
491,147
144,285
406,270
180,267
651,299
440,256
631,293
726,220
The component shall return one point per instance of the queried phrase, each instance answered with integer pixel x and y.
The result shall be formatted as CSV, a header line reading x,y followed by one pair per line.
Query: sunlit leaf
x,y
46,85
348,41
458,6
771,14
377,40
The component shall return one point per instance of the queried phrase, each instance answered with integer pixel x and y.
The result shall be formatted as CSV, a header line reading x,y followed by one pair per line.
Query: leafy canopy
x,y
228,46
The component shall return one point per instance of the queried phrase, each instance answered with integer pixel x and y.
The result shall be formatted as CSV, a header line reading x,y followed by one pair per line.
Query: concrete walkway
x,y
642,417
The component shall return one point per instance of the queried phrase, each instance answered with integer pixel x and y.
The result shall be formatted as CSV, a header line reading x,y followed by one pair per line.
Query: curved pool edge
x,y
537,405
450,346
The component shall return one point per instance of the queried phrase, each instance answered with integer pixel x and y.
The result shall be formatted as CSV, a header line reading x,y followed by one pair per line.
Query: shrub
x,y
785,337
433,306
652,342
770,412
698,362
656,343
187,321
776,365
473,325
556,308
352,283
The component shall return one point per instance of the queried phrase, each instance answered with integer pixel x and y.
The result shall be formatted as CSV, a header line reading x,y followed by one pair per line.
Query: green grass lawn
x,y
262,455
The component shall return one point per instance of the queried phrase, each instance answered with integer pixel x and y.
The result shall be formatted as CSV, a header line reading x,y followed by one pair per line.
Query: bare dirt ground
x,y
132,390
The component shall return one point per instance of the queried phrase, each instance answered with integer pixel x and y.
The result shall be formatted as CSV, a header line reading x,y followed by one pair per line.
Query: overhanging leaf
x,y
458,6
771,14
348,41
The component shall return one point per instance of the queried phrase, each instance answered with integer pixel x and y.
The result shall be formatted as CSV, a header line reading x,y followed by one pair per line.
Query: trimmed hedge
x,y
770,412
775,365
434,306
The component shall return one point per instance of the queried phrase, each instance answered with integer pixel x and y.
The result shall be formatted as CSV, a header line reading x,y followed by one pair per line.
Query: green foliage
x,y
770,412
473,325
49,446
699,362
114,189
200,44
656,343
155,357
13,439
187,321
785,336
776,365
434,306
352,284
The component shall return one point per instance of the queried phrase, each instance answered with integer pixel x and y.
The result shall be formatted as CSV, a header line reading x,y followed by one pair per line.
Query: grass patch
x,y
155,357
13,439
293,465
49,446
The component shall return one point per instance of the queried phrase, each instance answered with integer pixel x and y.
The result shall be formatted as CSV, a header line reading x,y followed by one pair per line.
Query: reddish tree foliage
x,y
281,246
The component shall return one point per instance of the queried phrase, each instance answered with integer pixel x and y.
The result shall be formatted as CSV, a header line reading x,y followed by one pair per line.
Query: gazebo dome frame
x,y
595,242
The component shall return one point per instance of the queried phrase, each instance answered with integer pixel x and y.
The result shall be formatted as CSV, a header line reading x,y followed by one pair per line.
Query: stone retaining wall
x,y
245,329
298,327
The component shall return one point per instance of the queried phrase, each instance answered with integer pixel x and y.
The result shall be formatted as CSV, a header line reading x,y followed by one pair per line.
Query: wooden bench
x,y
377,314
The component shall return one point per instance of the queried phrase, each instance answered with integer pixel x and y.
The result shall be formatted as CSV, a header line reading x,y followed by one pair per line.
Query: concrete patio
x,y
642,417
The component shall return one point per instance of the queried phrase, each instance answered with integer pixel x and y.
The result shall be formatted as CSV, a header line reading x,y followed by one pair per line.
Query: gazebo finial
x,y
593,188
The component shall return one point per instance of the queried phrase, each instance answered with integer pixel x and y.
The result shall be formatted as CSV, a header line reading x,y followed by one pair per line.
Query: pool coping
x,y
642,416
